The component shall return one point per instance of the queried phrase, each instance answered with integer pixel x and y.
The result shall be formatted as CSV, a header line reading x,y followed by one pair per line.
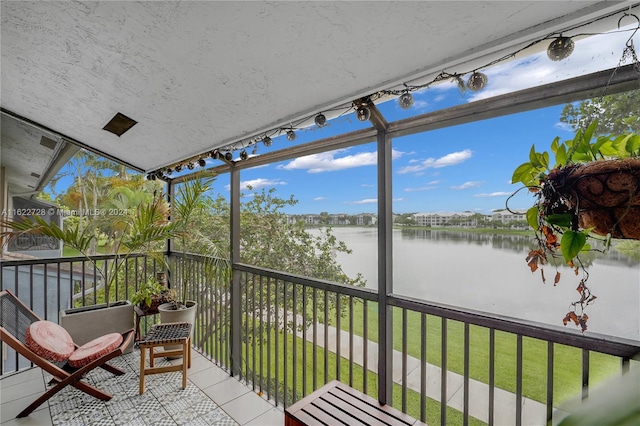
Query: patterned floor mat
x,y
164,402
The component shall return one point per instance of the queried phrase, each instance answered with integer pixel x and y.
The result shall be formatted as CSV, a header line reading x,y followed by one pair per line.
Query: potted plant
x,y
591,191
151,294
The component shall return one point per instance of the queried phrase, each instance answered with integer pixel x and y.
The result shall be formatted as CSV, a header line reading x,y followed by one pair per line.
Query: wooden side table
x,y
336,403
176,333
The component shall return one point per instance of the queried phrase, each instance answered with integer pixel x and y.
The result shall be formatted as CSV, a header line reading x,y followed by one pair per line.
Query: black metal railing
x,y
447,364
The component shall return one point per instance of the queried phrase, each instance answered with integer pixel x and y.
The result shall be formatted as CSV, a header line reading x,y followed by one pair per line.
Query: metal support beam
x,y
236,296
385,261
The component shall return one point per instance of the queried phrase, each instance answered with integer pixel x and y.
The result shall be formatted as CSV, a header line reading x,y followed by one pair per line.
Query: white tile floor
x,y
212,397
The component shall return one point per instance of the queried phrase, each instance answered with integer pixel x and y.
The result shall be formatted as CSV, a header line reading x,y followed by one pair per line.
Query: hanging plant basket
x,y
604,195
592,191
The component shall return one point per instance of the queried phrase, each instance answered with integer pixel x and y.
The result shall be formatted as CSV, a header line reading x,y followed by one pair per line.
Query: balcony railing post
x,y
236,296
385,272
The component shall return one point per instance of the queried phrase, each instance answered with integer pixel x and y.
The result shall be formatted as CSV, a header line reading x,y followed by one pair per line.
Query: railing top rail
x,y
363,293
617,346
26,262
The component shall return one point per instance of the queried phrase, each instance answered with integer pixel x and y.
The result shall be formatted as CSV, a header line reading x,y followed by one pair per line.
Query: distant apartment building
x,y
506,216
465,219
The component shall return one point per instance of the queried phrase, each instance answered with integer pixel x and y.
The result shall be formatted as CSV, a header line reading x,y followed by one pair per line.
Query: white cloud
x,y
367,185
258,183
365,201
319,198
492,194
444,161
467,185
428,186
330,161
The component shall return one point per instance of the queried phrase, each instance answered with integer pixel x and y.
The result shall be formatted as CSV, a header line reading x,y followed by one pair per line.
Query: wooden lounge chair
x,y
16,318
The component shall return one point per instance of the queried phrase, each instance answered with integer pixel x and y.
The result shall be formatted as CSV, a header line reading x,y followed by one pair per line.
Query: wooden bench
x,y
336,404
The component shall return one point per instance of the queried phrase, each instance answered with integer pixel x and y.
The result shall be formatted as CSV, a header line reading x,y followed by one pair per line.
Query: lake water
x,y
489,273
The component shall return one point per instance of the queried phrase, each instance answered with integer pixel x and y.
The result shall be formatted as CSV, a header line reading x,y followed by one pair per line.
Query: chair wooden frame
x,y
15,316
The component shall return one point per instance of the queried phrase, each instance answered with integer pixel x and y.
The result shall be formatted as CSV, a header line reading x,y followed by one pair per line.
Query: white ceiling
x,y
201,75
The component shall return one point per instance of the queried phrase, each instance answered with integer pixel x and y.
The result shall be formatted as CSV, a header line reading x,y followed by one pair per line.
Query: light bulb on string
x,y
190,166
267,141
560,48
178,168
477,81
320,120
215,154
243,155
363,113
228,156
405,100
291,135
202,162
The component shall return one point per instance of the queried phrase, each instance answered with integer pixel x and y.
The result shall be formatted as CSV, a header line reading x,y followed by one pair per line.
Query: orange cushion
x,y
49,340
95,349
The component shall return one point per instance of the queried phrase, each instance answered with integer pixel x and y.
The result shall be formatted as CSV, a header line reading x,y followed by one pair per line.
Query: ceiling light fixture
x,y
243,155
267,141
560,48
201,162
291,135
228,156
178,168
190,166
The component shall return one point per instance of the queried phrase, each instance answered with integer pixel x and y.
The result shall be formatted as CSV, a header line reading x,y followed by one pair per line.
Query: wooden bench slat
x,y
302,418
336,413
399,416
368,415
321,415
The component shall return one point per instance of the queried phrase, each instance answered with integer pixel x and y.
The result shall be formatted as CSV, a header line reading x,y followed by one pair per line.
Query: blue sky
x,y
462,168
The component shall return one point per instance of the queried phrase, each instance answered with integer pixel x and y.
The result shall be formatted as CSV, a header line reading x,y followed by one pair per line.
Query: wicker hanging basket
x,y
605,194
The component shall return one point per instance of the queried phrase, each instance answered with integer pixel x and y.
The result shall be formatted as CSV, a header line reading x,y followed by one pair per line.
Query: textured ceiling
x,y
200,75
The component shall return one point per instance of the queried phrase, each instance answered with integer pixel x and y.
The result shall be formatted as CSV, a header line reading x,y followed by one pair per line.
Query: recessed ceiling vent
x,y
46,142
35,175
119,124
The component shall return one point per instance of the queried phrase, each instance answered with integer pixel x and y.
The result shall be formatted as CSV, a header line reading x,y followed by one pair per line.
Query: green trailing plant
x,y
589,191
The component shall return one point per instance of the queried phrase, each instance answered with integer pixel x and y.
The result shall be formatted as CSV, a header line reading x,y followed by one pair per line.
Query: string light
x,y
320,120
405,100
201,162
477,81
363,113
560,48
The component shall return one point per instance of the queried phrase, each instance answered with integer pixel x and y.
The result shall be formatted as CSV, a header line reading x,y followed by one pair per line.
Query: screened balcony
x,y
273,336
